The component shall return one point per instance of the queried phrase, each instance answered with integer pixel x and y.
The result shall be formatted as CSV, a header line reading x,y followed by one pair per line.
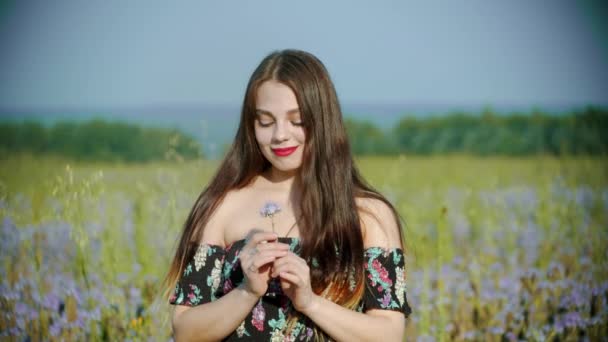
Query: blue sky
x,y
98,54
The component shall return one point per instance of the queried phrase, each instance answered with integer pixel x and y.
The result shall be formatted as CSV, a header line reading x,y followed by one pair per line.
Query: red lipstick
x,y
284,152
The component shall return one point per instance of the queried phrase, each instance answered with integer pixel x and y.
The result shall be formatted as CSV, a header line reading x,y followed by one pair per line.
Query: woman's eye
x,y
297,123
265,123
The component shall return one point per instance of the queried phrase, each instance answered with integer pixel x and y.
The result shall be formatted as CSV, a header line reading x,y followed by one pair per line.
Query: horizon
x,y
214,126
417,108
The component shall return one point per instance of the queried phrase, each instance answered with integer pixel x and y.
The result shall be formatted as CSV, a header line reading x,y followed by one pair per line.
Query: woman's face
x,y
278,126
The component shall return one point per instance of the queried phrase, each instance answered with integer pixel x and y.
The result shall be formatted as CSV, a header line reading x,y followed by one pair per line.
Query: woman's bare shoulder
x,y
378,223
220,228
219,220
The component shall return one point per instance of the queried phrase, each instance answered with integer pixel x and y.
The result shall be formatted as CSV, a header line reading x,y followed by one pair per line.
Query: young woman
x,y
287,242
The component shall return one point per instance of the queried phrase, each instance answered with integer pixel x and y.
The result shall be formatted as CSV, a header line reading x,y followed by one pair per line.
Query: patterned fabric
x,y
215,271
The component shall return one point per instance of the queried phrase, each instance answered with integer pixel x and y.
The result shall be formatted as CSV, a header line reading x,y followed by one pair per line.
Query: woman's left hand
x,y
294,275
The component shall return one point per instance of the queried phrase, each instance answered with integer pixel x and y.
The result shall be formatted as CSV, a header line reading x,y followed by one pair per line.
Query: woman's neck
x,y
282,184
283,188
282,180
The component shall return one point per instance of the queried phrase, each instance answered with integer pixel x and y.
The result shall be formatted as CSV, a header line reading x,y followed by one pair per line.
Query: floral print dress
x,y
214,271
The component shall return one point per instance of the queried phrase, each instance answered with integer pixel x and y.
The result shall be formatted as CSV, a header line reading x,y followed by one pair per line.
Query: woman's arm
x,y
215,320
341,324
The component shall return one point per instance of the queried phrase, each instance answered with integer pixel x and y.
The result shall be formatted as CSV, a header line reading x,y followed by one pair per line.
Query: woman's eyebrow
x,y
265,112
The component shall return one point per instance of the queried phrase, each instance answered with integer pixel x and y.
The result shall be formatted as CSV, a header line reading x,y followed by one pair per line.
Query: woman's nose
x,y
280,131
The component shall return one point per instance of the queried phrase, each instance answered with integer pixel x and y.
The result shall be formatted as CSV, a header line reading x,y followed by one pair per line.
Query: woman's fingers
x,y
273,246
292,278
256,254
256,236
261,259
259,262
290,263
258,242
265,257
256,259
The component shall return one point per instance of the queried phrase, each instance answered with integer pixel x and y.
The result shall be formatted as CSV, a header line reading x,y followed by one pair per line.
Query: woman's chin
x,y
287,169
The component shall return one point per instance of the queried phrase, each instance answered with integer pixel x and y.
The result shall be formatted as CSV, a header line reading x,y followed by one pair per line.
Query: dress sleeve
x,y
201,278
385,280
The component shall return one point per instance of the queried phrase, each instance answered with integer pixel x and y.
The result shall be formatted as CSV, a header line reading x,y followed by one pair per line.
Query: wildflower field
x,y
497,248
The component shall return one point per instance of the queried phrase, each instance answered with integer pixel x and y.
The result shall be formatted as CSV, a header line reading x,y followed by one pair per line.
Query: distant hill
x,y
214,126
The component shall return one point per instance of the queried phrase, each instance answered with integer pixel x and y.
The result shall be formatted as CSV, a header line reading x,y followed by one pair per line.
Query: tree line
x,y
583,132
98,140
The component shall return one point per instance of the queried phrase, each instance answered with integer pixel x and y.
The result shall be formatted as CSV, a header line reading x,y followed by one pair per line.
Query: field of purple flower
x,y
497,249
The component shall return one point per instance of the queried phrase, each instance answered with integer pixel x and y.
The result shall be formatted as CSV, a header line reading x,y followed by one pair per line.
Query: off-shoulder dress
x,y
214,271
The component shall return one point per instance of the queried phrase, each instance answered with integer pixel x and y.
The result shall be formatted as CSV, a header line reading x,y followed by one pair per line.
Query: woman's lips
x,y
284,152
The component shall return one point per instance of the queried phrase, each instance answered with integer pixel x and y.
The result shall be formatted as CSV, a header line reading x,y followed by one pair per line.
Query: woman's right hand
x,y
256,257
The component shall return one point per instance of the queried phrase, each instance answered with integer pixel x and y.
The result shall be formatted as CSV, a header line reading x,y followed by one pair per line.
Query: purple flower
x,y
497,330
489,294
51,301
136,268
544,284
55,329
32,314
469,335
425,338
574,299
558,326
269,209
99,297
585,260
573,319
122,278
496,267
134,293
595,320
507,283
21,308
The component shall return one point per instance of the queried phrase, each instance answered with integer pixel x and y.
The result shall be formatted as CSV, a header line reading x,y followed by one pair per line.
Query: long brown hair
x,y
330,230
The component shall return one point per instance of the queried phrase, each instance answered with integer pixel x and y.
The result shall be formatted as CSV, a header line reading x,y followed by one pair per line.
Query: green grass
x,y
472,225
